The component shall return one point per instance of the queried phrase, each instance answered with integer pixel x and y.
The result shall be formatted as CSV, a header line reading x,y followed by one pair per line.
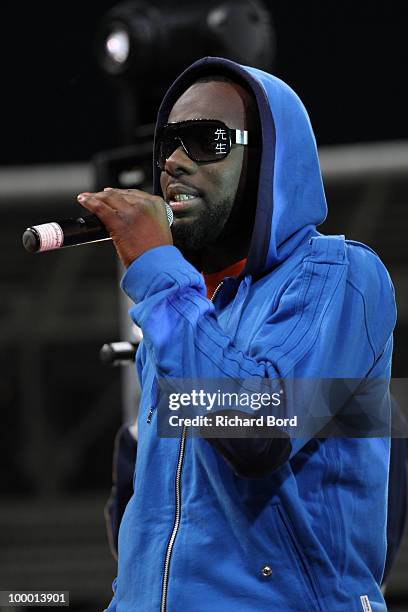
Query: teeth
x,y
180,197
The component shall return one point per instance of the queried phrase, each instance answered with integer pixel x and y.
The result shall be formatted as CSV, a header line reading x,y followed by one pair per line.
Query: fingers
x,y
132,196
97,207
128,191
113,206
120,199
135,220
110,198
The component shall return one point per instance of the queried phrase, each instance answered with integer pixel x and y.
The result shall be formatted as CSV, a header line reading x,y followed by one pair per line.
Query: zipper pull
x,y
150,415
153,400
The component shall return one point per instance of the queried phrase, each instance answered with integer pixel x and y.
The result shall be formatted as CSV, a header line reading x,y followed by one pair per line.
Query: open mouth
x,y
181,202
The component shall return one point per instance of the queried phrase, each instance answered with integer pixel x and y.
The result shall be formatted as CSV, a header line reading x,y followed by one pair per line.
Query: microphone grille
x,y
169,214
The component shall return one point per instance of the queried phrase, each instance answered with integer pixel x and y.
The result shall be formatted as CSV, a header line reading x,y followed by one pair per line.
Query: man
x,y
290,524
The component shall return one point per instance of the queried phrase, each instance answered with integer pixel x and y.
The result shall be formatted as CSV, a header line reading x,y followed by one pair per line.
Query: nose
x,y
179,163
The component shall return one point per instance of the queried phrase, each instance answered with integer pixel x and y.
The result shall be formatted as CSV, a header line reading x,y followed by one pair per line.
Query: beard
x,y
202,231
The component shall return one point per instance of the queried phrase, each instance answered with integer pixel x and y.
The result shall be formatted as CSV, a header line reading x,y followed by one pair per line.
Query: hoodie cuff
x,y
152,271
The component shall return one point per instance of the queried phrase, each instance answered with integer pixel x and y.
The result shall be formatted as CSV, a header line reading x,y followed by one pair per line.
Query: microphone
x,y
69,232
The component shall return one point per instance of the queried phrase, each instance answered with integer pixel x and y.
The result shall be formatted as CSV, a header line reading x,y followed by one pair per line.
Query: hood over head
x,y
291,201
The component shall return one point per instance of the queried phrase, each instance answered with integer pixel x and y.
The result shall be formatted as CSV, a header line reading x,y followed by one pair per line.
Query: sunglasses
x,y
203,140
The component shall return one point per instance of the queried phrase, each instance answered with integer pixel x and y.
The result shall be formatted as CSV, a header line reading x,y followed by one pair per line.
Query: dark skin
x,y
215,227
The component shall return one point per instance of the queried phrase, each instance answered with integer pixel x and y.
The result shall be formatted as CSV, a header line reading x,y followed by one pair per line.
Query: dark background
x,y
346,60
60,407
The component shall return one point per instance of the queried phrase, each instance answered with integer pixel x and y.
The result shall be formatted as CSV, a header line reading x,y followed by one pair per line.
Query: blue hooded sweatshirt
x,y
261,524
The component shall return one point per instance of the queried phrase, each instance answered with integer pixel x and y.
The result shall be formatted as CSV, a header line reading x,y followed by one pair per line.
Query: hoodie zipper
x,y
177,517
176,520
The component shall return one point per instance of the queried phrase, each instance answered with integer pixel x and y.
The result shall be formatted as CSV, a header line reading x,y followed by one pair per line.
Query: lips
x,y
181,198
178,189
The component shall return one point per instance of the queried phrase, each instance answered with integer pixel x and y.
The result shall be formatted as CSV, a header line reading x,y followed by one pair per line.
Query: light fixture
x,y
117,45
148,42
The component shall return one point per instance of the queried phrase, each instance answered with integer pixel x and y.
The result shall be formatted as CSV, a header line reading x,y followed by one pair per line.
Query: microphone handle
x,y
69,232
59,234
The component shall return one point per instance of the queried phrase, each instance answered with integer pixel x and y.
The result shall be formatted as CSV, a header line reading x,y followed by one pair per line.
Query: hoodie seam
x,y
370,340
303,326
298,310
307,328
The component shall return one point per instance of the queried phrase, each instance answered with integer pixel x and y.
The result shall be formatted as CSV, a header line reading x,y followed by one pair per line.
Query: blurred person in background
x,y
257,523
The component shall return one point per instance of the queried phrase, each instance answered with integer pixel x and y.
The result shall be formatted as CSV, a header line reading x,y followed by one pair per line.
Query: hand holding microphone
x,y
135,220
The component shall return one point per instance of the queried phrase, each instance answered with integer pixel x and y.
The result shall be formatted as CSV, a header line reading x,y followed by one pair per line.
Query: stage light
x,y
147,42
117,45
